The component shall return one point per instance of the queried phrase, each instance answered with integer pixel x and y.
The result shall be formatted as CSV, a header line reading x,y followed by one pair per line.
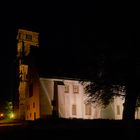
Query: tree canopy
x,y
117,69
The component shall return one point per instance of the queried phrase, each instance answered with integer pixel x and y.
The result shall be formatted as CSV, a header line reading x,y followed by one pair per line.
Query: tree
x,y
9,110
116,70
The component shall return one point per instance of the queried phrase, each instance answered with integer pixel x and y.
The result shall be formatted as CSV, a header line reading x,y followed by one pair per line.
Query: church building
x,y
55,96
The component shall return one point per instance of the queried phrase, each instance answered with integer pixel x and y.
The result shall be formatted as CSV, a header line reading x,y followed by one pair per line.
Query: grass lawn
x,y
74,128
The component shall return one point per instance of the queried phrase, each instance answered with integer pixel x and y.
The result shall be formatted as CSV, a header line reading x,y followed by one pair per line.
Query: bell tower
x,y
26,39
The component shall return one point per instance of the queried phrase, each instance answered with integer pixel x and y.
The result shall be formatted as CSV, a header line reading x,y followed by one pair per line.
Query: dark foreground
x,y
72,129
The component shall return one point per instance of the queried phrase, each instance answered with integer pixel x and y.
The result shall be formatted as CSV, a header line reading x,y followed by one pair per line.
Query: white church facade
x,y
66,98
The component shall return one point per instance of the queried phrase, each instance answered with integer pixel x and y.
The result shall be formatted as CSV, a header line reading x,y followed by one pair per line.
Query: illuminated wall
x,y
71,102
114,110
32,101
46,97
25,40
137,114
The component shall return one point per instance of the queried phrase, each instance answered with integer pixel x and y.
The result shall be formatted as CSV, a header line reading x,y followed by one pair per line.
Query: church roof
x,y
50,68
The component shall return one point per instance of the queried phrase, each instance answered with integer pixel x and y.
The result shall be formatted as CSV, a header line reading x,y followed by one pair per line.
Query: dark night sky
x,y
64,29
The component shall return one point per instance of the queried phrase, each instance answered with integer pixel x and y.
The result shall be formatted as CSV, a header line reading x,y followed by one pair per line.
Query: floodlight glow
x,y
11,115
1,114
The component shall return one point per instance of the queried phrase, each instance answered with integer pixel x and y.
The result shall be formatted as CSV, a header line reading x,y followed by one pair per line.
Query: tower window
x,y
33,104
28,37
19,36
30,90
28,107
30,115
34,115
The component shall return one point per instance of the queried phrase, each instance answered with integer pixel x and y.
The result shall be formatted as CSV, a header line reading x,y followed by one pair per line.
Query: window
x,y
75,88
73,109
28,107
66,89
34,115
19,36
33,104
30,115
88,109
118,110
26,77
30,90
28,37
